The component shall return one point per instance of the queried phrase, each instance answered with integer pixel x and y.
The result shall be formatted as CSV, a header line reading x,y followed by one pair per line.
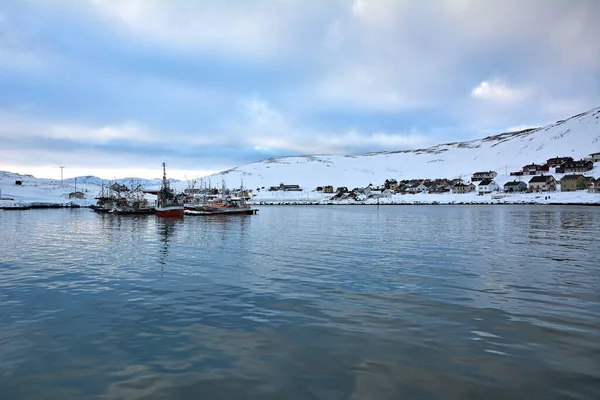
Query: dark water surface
x,y
354,302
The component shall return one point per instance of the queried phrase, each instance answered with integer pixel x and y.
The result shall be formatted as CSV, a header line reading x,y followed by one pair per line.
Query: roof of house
x,y
558,158
484,172
485,182
541,179
571,177
514,183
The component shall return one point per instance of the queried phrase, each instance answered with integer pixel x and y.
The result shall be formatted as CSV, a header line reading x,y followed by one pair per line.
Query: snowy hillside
x,y
575,137
129,182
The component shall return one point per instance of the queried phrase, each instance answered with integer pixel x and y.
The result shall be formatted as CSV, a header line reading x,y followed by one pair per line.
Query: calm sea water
x,y
327,302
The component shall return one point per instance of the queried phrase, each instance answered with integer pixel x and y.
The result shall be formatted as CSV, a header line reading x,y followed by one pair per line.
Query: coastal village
x,y
562,174
533,183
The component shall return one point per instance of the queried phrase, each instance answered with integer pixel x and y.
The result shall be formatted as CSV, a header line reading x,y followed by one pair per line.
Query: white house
x,y
479,176
487,186
422,188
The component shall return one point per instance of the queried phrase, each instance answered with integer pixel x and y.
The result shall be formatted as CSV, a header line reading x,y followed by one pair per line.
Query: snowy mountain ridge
x,y
576,137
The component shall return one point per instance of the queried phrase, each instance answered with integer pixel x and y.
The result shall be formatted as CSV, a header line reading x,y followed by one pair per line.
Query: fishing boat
x,y
167,204
107,199
15,206
222,205
229,205
134,203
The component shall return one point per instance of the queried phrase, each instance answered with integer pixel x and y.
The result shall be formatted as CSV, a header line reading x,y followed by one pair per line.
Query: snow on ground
x,y
313,197
576,137
42,191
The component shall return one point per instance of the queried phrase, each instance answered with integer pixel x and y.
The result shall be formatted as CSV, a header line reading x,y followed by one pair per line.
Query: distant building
x,y
19,183
487,186
570,167
285,188
542,183
76,195
557,161
479,176
328,189
533,169
461,188
594,185
595,157
515,186
570,183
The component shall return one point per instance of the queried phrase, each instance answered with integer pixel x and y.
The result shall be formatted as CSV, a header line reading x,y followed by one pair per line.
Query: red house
x,y
533,169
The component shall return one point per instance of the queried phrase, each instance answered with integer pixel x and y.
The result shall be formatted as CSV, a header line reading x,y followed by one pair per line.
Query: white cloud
x,y
497,90
26,127
267,128
256,30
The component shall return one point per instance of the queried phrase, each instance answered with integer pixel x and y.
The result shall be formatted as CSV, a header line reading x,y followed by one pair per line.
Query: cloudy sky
x,y
114,88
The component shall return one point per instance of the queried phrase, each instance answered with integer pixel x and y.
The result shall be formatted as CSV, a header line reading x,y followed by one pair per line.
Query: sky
x,y
114,88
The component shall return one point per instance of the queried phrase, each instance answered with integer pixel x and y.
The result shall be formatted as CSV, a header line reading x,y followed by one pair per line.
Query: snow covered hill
x,y
574,137
129,182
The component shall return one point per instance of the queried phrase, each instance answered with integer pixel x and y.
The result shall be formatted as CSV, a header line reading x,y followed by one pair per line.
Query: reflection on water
x,y
166,230
302,302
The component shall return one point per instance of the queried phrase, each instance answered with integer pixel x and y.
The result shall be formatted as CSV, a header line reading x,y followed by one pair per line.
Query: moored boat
x,y
167,204
134,203
107,200
228,205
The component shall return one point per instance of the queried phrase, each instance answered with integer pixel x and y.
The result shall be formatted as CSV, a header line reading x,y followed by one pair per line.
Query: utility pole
x,y
75,184
61,173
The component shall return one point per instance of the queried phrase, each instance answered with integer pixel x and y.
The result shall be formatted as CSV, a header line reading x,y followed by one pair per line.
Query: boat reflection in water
x,y
166,231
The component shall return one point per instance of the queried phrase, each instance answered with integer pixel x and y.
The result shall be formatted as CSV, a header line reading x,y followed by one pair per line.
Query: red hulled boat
x,y
167,204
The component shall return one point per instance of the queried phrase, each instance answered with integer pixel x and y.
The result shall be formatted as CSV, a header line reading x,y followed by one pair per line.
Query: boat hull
x,y
145,211
100,209
169,211
220,211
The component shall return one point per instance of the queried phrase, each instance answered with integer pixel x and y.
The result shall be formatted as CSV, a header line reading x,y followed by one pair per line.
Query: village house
x,y
439,188
415,187
557,161
422,188
328,189
487,186
455,181
542,183
381,194
533,169
589,180
571,183
461,188
391,184
594,185
595,157
76,195
479,176
515,186
285,188
575,166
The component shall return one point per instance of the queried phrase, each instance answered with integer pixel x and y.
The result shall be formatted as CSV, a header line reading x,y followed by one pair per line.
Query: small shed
x,y
18,183
76,195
